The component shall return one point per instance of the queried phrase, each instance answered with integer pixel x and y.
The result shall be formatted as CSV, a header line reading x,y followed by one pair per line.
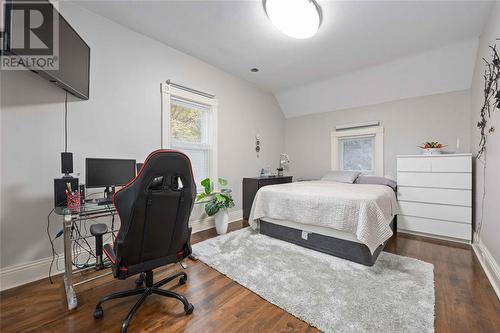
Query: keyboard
x,y
104,201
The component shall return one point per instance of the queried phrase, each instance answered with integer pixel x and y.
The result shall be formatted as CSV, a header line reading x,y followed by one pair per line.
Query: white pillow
x,y
341,176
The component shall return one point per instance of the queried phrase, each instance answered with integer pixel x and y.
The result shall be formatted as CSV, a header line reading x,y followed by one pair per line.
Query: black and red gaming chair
x,y
154,211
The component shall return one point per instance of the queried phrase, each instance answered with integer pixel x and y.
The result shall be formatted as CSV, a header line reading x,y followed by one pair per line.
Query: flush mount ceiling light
x,y
295,18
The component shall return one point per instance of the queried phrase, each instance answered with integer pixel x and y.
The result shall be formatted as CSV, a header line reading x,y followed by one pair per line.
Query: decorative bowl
x,y
432,151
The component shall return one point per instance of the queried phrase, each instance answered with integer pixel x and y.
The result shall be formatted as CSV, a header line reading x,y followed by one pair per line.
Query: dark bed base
x,y
341,248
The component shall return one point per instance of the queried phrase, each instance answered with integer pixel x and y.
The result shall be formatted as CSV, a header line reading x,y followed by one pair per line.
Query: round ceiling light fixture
x,y
295,18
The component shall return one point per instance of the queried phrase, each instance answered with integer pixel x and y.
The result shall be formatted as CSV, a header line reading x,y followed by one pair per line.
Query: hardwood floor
x,y
465,300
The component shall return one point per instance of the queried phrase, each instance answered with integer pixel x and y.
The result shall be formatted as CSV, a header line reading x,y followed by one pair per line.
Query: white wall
x,y
121,119
490,234
407,123
442,70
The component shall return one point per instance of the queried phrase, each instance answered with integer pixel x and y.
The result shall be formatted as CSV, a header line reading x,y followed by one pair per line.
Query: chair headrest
x,y
163,168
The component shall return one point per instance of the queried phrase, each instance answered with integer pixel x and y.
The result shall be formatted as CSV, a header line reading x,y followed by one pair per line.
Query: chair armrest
x,y
110,253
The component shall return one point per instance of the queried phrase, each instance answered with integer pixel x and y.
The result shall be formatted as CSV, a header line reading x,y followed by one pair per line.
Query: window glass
x,y
357,154
189,128
199,163
188,122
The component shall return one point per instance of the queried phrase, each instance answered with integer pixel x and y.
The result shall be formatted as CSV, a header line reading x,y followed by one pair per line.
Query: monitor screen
x,y
103,172
74,61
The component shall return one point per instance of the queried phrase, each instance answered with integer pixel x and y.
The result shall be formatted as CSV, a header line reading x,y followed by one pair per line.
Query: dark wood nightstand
x,y
252,185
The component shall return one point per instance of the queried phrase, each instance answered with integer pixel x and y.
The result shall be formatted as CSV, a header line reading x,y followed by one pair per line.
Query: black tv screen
x,y
71,52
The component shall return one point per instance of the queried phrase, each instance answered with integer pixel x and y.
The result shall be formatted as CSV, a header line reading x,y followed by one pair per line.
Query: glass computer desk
x,y
88,211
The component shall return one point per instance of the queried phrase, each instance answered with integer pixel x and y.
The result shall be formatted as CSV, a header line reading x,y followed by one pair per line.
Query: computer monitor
x,y
108,172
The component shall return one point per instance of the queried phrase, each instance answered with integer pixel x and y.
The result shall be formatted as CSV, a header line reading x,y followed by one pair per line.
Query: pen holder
x,y
73,200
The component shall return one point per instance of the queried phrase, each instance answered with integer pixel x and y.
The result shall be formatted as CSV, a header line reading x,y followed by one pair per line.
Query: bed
x,y
351,221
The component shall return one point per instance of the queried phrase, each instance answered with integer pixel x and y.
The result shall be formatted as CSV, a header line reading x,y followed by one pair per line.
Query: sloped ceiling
x,y
446,69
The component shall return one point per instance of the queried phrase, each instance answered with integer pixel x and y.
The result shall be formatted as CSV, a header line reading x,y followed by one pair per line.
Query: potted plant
x,y
432,148
217,203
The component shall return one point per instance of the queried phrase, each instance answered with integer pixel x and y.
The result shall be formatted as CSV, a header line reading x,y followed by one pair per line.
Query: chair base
x,y
149,289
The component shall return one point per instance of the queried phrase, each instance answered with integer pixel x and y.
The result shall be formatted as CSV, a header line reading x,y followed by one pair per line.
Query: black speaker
x,y
82,194
60,190
67,163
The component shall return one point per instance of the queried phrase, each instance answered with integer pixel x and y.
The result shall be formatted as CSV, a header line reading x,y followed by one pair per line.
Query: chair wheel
x,y
139,283
183,280
99,313
189,309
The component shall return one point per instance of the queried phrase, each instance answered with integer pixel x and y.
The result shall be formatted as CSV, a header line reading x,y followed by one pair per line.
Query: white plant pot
x,y
221,221
432,151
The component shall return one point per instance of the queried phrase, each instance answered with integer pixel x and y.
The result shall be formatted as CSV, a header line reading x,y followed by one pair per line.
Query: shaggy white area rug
x,y
332,294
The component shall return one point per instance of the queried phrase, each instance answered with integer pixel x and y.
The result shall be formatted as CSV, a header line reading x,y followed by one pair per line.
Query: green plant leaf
x,y
212,207
201,196
207,185
223,182
227,196
220,198
229,203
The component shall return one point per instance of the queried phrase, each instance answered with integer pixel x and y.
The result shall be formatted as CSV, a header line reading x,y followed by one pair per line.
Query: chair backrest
x,y
154,210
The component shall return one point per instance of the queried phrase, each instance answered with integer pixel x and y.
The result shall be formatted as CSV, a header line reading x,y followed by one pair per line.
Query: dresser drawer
x,y
435,195
452,164
274,181
416,164
435,227
435,211
437,180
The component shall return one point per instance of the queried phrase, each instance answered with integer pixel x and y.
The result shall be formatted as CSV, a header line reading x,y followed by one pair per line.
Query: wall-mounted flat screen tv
x,y
45,30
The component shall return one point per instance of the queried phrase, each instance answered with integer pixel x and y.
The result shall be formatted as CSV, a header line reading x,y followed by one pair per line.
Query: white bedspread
x,y
364,210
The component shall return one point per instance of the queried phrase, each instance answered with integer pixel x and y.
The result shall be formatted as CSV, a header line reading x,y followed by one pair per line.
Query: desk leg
x,y
68,266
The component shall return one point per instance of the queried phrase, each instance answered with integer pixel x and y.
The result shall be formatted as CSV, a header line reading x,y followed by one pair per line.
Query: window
x,y
188,125
358,150
189,133
357,154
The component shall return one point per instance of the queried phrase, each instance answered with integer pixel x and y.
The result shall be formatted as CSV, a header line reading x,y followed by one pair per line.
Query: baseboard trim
x,y
17,275
209,222
444,238
21,274
489,264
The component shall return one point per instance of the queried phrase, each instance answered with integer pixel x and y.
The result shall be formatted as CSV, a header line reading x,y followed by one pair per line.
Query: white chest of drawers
x,y
435,195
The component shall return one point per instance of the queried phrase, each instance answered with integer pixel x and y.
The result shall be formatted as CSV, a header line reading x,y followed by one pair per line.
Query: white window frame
x,y
167,92
376,131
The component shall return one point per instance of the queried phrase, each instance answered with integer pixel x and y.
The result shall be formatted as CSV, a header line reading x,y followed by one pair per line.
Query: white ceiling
x,y
236,35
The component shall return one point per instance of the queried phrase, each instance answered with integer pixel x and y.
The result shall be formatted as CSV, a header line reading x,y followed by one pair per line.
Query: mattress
x,y
310,228
363,211
326,240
